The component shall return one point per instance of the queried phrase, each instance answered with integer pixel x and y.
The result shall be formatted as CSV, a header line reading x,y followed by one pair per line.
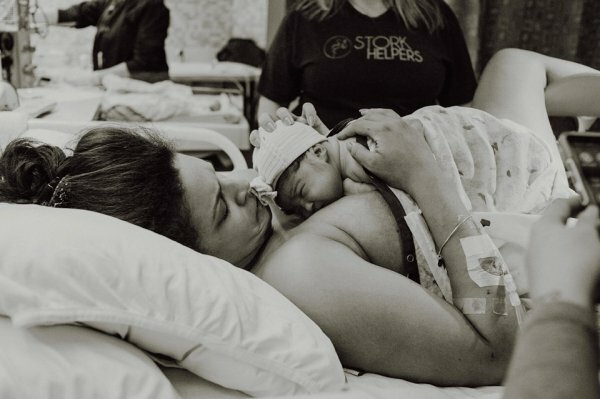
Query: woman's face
x,y
231,222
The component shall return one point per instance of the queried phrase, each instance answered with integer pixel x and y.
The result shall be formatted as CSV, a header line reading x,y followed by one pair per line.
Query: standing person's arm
x,y
280,80
556,355
80,15
460,83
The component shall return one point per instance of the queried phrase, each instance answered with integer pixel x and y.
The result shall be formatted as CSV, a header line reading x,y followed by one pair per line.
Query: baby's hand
x,y
353,187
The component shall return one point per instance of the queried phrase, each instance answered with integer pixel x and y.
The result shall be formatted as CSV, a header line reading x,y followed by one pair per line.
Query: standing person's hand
x,y
308,117
399,153
82,78
564,262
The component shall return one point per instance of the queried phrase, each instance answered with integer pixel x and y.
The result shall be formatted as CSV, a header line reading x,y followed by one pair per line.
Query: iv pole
x,y
22,67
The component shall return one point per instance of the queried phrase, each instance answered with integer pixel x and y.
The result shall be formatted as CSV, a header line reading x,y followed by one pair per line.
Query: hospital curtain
x,y
568,29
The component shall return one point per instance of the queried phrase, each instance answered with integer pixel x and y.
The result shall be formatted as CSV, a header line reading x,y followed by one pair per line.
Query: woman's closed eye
x,y
302,191
223,208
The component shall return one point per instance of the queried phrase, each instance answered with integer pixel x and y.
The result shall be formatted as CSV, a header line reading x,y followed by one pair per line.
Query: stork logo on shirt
x,y
337,47
374,47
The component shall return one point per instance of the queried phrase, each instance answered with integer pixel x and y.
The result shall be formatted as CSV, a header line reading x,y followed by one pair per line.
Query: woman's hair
x,y
125,173
413,13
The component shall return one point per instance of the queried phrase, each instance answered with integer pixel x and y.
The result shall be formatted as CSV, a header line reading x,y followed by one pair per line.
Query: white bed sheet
x,y
190,386
367,386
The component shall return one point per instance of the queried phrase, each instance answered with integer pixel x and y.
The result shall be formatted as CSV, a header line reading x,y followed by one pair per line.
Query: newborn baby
x,y
305,169
495,164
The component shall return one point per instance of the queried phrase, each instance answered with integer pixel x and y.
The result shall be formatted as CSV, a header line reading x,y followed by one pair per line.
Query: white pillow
x,y
69,362
218,321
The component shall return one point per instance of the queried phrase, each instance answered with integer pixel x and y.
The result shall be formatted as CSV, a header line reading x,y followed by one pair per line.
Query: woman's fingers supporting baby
x,y
309,117
397,152
266,122
285,116
309,114
354,187
378,112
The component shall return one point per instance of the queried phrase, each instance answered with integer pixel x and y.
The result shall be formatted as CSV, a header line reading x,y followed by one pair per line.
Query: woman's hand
x,y
308,117
564,262
400,155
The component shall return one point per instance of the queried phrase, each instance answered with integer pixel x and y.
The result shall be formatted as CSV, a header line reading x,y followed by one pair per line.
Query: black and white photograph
x,y
311,199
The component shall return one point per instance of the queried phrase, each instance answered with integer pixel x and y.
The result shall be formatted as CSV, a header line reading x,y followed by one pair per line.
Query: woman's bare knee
x,y
512,63
512,86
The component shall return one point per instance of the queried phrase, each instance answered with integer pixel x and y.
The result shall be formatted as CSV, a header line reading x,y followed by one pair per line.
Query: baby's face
x,y
312,186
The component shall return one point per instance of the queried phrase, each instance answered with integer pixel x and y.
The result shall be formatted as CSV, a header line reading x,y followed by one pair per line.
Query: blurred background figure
x,y
129,40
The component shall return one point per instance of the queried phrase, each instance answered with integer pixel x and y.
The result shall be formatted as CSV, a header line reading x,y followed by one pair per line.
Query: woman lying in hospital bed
x,y
333,265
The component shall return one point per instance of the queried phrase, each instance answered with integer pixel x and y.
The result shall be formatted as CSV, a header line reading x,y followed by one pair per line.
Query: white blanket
x,y
497,165
502,172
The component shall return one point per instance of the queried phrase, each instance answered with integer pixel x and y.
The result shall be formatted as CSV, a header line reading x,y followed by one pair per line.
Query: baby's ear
x,y
319,151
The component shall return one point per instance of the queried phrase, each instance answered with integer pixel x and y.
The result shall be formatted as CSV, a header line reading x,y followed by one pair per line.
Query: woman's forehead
x,y
197,176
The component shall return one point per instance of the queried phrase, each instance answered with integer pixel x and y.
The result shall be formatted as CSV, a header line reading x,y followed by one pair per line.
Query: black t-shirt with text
x,y
351,61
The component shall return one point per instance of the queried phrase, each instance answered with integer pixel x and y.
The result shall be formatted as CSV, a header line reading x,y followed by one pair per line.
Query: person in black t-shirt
x,y
344,55
130,37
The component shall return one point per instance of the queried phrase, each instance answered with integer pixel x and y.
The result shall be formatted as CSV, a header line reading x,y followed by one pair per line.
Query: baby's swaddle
x,y
496,165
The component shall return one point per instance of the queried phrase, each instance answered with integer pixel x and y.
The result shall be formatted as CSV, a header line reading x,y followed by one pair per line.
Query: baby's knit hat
x,y
275,151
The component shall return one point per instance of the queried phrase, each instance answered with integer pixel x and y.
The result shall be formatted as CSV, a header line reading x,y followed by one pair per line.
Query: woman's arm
x,y
403,159
378,320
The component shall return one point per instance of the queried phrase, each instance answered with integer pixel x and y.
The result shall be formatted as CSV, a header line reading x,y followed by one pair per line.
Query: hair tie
x,y
60,196
57,191
47,191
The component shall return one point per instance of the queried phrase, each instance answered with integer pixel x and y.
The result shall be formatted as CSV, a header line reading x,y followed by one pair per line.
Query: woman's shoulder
x,y
443,7
361,223
299,17
448,14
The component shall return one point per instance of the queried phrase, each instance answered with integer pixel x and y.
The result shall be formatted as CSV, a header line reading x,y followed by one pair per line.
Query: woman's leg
x,y
526,87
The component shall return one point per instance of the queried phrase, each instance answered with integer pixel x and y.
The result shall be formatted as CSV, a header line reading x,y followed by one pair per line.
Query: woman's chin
x,y
263,218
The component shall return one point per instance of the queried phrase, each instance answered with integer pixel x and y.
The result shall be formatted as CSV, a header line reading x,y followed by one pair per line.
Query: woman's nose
x,y
241,192
309,206
238,186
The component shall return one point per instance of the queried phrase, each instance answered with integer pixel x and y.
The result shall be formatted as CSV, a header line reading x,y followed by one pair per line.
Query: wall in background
x,y
564,29
199,28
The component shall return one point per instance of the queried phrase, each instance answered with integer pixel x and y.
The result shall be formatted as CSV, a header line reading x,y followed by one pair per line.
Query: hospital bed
x,y
94,307
70,109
